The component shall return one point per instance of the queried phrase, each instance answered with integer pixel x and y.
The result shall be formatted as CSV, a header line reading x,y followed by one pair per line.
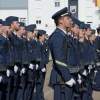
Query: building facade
x,y
40,11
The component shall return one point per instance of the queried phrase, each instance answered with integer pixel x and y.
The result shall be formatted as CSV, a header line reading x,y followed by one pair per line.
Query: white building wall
x,y
87,12
19,13
44,9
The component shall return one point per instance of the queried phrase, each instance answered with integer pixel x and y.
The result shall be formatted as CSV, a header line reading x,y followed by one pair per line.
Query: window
x,y
38,21
89,19
57,4
23,20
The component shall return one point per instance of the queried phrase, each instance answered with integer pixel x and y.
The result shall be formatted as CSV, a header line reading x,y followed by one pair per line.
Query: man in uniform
x,y
30,70
86,59
7,49
42,65
97,49
46,48
15,39
0,25
74,55
25,63
57,41
9,57
93,67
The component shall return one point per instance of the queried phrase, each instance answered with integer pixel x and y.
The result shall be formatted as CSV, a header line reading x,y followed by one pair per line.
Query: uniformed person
x,y
93,67
30,79
15,39
9,58
35,51
25,63
86,59
74,55
7,61
57,44
96,86
80,45
42,65
46,48
0,25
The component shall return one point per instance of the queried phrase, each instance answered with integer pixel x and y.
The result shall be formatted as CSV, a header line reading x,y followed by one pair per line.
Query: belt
x,y
82,67
92,63
73,69
87,63
2,69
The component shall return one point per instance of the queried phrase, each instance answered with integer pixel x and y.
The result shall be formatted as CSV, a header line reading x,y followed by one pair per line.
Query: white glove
x,y
71,82
23,71
15,69
37,66
84,73
79,79
43,70
1,79
90,67
31,66
94,66
8,72
95,71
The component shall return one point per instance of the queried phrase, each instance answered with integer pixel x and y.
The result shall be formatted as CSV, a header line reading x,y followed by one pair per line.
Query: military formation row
x,y
75,50
24,53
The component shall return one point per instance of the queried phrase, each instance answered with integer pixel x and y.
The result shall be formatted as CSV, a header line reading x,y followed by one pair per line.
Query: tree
x,y
98,12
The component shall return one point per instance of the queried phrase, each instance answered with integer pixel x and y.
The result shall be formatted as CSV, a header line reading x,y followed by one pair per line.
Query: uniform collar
x,y
86,38
24,36
91,42
69,33
4,36
62,30
14,32
75,37
28,39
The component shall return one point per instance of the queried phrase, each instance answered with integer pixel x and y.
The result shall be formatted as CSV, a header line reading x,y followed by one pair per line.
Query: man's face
x,y
0,28
30,35
0,25
66,21
75,30
22,30
88,32
15,25
35,32
81,33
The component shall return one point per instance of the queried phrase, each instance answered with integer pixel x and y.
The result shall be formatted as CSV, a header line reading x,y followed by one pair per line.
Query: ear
x,y
60,21
12,25
3,29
